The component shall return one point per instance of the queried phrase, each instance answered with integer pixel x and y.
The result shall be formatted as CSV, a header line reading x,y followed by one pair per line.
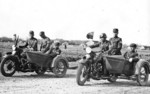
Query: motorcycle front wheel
x,y
81,77
8,67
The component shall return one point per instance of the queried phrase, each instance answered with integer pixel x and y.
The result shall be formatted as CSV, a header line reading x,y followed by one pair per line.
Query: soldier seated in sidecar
x,y
132,57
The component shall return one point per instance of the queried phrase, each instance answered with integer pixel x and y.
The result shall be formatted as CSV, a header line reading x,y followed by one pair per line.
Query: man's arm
x,y
95,45
25,45
41,45
125,55
120,44
47,46
49,51
35,47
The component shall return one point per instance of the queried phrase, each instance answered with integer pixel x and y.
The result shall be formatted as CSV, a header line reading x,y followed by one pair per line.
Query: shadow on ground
x,y
51,76
125,83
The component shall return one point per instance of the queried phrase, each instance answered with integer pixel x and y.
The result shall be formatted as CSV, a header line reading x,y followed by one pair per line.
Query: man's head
x,y
42,34
31,34
133,46
90,35
56,44
103,36
115,32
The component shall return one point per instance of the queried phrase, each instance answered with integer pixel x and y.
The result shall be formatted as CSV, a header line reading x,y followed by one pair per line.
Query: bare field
x,y
30,83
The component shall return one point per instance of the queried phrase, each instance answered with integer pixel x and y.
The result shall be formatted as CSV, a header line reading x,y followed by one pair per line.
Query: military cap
x,y
103,35
42,33
115,30
90,35
31,32
133,45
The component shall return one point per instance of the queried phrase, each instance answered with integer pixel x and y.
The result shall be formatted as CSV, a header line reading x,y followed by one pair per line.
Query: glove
x,y
130,60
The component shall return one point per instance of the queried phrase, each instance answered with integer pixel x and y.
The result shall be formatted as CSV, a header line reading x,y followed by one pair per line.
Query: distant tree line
x,y
5,39
69,42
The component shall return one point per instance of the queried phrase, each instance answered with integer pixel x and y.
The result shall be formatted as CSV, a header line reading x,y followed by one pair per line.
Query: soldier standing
x,y
45,43
115,43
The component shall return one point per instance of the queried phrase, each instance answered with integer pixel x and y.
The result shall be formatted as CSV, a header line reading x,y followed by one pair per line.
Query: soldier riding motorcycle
x,y
16,61
92,61
111,68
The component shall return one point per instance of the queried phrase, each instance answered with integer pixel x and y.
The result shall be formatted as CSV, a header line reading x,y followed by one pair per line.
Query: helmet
x,y
133,45
103,35
90,35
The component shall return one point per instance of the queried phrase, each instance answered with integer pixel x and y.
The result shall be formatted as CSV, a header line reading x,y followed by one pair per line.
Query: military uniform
x,y
115,45
134,56
45,45
104,46
31,43
130,54
53,51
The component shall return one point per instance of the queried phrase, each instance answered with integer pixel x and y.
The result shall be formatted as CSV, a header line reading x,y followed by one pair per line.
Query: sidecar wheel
x,y
60,68
8,67
143,74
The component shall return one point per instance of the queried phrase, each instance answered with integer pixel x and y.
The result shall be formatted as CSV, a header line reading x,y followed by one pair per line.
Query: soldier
x,y
103,44
45,43
54,49
132,57
115,43
103,47
31,43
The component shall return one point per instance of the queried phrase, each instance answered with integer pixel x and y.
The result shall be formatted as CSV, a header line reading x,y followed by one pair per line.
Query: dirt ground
x,y
30,83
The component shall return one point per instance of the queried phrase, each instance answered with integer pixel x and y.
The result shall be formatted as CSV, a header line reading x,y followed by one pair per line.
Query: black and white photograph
x,y
74,46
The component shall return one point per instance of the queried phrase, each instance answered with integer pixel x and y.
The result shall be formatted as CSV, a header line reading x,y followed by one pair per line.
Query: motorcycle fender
x,y
57,58
140,61
84,59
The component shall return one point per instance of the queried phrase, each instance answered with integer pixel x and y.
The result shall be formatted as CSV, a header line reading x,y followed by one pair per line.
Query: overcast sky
x,y
73,19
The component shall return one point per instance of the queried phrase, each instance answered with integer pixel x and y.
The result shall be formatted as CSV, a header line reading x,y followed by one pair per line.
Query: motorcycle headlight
x,y
88,50
13,48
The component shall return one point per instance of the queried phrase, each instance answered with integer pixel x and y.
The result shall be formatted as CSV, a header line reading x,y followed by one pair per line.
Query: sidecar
x,y
46,63
117,65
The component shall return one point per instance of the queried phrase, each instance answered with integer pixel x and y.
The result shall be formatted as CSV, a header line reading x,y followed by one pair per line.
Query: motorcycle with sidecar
x,y
111,68
32,61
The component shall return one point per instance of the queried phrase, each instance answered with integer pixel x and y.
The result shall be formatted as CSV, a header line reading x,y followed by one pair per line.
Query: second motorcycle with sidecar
x,y
111,68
